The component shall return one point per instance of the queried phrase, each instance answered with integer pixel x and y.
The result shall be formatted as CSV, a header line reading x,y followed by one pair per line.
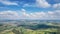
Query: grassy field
x,y
8,29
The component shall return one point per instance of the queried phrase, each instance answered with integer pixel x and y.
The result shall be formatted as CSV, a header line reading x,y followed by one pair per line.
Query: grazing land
x,y
30,27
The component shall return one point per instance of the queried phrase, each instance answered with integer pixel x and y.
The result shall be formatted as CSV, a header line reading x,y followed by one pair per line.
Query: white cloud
x,y
23,10
13,14
39,3
44,15
35,15
6,2
56,6
29,5
24,14
42,3
9,15
26,5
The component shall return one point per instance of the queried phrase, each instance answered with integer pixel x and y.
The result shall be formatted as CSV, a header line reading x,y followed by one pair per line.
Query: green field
x,y
10,29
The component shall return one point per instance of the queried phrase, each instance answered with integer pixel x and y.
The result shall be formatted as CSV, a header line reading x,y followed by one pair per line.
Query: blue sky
x,y
30,9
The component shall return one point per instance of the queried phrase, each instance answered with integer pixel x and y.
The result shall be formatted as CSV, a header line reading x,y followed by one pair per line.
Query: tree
x,y
15,31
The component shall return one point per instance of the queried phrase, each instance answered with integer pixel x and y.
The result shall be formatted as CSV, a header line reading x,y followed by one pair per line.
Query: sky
x,y
30,9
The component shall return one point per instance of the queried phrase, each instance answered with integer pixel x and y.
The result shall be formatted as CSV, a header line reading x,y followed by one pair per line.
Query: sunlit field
x,y
30,27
